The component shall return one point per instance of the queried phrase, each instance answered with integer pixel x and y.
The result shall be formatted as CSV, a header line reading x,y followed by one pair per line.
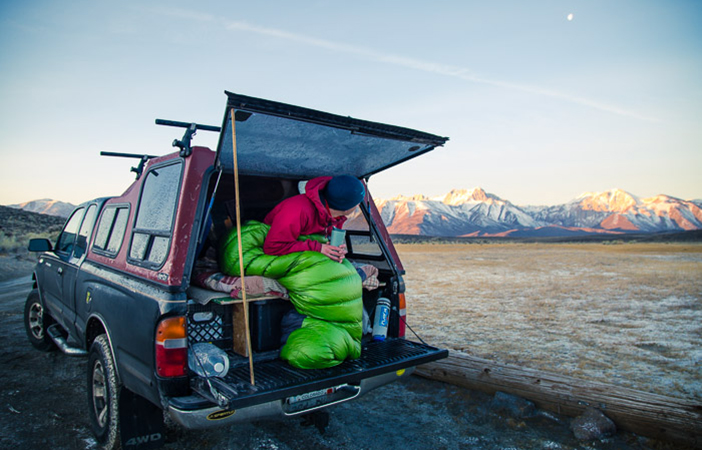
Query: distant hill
x,y
14,220
18,226
46,206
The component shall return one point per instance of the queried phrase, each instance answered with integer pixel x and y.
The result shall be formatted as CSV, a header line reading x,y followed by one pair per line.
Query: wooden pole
x,y
241,252
643,413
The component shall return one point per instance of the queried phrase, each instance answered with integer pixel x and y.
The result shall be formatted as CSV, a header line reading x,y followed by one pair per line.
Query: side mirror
x,y
39,245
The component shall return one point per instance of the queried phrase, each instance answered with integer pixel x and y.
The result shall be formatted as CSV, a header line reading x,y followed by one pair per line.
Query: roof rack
x,y
191,128
138,169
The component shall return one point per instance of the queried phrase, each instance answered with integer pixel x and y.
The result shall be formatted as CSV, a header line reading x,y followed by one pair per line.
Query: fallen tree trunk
x,y
651,415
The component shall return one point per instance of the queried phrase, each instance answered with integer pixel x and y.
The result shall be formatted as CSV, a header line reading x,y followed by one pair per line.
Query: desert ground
x,y
43,405
623,313
626,314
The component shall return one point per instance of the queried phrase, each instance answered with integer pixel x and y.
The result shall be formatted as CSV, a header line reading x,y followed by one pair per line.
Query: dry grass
x,y
628,314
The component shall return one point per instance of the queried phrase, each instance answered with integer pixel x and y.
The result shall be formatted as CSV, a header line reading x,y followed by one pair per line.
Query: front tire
x,y
36,321
103,394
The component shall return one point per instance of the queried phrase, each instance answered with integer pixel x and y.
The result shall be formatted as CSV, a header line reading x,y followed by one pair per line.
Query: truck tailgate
x,y
276,379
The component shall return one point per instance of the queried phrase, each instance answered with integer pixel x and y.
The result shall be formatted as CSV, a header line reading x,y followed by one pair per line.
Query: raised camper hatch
x,y
277,139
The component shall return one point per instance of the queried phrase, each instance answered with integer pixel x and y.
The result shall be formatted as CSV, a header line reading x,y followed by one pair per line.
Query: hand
x,y
334,253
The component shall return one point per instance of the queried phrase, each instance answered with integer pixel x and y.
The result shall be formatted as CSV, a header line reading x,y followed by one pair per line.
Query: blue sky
x,y
538,108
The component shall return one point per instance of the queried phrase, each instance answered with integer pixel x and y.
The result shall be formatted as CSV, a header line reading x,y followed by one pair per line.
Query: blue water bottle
x,y
382,319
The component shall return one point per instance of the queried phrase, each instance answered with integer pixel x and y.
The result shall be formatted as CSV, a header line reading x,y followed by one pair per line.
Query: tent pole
x,y
241,253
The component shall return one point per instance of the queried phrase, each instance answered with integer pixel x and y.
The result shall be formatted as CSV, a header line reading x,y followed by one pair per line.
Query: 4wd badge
x,y
219,415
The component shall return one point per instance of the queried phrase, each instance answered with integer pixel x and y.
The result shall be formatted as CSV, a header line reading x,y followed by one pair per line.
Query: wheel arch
x,y
96,326
35,284
37,287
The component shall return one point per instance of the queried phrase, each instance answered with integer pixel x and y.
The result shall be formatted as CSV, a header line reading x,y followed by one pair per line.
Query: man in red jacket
x,y
325,204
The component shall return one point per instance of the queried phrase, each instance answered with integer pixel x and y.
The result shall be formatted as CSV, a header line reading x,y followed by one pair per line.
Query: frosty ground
x,y
475,299
627,314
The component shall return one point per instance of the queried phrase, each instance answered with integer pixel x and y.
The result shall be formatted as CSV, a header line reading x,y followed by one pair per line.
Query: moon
x,y
570,17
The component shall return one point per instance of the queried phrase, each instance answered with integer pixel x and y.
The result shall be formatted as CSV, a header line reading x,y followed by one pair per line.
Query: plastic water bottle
x,y
382,318
208,360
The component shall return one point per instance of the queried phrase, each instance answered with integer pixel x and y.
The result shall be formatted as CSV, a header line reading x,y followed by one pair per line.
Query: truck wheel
x,y
103,394
36,323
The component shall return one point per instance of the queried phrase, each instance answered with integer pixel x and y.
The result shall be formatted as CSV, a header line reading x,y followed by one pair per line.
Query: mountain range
x,y
477,213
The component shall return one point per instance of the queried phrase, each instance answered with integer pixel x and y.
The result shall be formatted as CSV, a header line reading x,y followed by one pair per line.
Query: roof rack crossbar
x,y
138,169
184,144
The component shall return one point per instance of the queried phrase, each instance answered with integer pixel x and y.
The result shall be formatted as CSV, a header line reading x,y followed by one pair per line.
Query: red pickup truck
x,y
121,286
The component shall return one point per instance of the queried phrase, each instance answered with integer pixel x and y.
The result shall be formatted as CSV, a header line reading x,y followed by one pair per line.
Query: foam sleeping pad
x,y
327,292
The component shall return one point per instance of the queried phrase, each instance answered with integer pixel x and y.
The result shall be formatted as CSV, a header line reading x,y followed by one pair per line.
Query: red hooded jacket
x,y
300,215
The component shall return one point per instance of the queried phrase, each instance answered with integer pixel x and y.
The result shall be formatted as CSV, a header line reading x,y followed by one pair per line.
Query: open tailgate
x,y
276,379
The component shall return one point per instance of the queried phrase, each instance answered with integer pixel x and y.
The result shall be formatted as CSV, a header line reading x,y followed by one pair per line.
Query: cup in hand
x,y
338,237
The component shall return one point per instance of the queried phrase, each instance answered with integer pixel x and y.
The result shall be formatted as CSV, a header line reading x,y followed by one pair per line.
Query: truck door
x,y
54,266
61,268
70,272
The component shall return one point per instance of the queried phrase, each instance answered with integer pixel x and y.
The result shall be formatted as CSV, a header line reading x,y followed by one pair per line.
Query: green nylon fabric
x,y
327,292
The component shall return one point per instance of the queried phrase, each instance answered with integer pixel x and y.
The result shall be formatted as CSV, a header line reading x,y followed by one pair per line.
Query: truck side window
x,y
67,238
110,230
360,241
154,221
363,245
84,233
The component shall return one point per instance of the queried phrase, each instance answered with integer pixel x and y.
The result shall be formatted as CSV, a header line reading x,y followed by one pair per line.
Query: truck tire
x,y
103,394
36,322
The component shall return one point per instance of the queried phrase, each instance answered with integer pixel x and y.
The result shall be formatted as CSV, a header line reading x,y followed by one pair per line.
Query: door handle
x,y
60,270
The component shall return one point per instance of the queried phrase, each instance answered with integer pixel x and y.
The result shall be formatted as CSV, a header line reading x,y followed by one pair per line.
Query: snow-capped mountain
x,y
46,206
458,213
619,210
670,212
476,213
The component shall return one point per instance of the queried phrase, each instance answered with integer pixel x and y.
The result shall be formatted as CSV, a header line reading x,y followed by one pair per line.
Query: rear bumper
x,y
210,416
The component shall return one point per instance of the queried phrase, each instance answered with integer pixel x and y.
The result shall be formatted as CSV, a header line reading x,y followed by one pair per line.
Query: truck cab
x,y
133,282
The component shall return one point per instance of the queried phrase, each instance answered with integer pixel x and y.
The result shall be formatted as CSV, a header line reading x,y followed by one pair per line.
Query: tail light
x,y
171,347
403,313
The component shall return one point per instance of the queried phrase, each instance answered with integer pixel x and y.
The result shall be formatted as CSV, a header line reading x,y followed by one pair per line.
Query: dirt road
x,y
43,405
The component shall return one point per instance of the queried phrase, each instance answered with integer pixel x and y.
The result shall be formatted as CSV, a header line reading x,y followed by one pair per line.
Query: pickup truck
x,y
119,286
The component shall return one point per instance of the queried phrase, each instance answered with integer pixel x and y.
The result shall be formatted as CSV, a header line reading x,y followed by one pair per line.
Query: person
x,y
326,203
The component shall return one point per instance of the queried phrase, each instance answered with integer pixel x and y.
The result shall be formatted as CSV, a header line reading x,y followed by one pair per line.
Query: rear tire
x,y
36,321
103,394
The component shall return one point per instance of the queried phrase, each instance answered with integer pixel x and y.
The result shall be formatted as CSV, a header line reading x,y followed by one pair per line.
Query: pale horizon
x,y
437,197
541,101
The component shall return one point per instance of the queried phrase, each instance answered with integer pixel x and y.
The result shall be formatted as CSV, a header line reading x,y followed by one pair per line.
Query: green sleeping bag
x,y
327,292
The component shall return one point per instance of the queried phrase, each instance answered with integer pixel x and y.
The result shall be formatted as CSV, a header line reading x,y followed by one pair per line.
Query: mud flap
x,y
141,422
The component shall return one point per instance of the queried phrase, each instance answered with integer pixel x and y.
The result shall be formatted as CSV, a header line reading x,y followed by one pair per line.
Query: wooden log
x,y
651,415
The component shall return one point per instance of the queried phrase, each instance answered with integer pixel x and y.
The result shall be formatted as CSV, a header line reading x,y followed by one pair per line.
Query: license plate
x,y
314,394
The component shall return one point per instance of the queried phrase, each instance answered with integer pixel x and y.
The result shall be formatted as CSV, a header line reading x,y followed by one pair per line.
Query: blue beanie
x,y
344,192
